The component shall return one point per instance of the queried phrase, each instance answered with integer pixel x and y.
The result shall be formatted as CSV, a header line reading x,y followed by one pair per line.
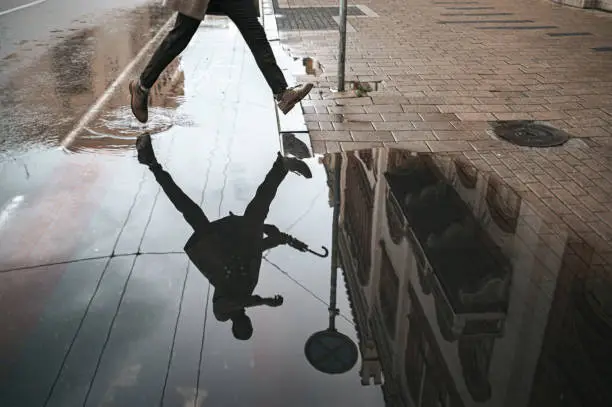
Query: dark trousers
x,y
256,211
244,15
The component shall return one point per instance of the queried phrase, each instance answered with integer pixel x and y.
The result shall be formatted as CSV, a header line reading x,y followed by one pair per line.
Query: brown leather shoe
x,y
139,102
292,96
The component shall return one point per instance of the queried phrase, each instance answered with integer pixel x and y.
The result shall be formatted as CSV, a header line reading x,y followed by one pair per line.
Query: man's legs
x,y
175,42
257,210
244,15
192,213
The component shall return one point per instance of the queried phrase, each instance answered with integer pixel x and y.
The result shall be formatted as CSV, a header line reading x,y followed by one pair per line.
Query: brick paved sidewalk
x,y
445,77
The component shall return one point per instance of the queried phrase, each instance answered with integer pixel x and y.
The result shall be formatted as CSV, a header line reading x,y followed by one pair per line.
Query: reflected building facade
x,y
462,295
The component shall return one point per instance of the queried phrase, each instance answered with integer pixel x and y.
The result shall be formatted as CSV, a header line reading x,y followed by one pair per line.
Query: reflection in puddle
x,y
41,103
466,294
117,128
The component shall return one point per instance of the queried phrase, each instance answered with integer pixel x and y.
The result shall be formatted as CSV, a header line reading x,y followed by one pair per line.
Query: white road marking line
x,y
349,27
367,11
21,7
9,208
96,107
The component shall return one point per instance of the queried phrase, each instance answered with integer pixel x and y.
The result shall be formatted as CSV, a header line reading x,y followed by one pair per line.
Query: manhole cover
x,y
529,133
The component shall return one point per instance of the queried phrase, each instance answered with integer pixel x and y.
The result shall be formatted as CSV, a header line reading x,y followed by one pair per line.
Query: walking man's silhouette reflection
x,y
229,251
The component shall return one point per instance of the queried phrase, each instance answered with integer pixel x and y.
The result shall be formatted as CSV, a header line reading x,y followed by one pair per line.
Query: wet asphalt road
x,y
33,28
58,58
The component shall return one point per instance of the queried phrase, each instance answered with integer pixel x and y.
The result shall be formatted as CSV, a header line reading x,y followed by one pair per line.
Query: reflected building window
x,y
467,173
427,376
358,216
504,204
414,359
366,157
475,357
388,292
395,219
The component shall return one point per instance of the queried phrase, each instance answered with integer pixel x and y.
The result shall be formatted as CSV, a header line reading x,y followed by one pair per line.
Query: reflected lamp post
x,y
330,351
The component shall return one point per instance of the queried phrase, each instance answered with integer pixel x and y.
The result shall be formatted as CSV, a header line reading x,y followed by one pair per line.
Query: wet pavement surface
x,y
42,101
455,290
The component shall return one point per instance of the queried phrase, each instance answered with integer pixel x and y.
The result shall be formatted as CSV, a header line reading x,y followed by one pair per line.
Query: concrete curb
x,y
294,122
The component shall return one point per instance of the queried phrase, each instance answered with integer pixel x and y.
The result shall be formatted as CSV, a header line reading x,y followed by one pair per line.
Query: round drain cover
x,y
529,133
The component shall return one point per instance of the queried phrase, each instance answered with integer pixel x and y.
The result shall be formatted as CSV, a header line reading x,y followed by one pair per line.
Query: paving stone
x,y
455,135
446,146
351,146
415,108
475,116
372,136
399,117
330,135
362,117
433,126
355,126
438,117
395,125
384,109
415,146
411,135
457,108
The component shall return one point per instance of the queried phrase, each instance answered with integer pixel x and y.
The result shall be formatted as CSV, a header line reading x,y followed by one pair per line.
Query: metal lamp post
x,y
330,351
342,45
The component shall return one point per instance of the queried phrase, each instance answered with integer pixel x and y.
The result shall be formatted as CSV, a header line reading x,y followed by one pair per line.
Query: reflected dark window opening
x,y
359,205
388,291
467,174
415,356
395,218
475,356
504,205
366,157
427,376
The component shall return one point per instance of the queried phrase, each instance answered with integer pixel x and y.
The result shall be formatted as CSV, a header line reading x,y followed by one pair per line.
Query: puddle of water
x,y
462,266
118,129
42,102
